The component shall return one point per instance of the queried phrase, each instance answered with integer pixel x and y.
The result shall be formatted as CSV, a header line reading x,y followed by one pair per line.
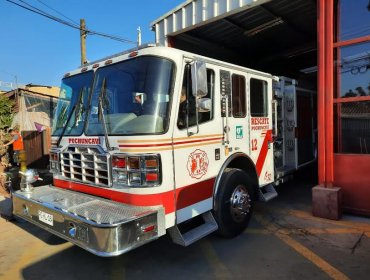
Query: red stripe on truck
x,y
185,196
264,149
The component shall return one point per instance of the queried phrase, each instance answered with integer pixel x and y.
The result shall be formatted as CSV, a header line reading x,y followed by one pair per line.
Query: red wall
x,y
352,174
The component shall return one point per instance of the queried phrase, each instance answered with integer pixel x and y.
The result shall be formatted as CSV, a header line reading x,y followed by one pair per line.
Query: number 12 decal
x,y
254,144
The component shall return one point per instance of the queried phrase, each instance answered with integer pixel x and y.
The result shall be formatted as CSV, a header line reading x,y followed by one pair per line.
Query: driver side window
x,y
187,107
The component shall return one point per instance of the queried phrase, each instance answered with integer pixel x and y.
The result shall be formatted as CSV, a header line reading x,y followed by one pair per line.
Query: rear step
x,y
189,237
267,192
100,226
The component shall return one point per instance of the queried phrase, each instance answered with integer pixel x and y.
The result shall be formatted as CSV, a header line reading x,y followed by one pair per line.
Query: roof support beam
x,y
289,23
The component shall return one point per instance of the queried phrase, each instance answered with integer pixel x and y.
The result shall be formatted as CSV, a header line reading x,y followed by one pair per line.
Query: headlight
x,y
54,161
136,171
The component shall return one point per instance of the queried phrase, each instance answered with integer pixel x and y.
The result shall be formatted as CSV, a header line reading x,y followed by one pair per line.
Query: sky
x,y
37,50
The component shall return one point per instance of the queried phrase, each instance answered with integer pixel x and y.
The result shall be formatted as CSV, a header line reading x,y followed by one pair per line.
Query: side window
x,y
258,98
188,102
207,116
238,96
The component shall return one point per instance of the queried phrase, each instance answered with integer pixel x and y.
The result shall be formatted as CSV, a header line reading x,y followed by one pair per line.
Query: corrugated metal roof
x,y
194,13
265,35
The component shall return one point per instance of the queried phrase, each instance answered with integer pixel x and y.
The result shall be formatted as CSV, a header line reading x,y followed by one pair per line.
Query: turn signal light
x,y
151,163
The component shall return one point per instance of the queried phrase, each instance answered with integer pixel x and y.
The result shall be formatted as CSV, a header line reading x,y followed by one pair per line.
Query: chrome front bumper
x,y
100,226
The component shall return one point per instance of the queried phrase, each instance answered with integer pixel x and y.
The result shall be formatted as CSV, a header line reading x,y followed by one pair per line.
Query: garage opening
x,y
277,37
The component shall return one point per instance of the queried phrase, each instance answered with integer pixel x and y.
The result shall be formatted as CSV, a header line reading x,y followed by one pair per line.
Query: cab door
x,y
260,118
197,141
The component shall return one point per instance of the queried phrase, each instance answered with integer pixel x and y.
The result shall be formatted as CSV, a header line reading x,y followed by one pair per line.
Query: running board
x,y
193,235
100,226
267,192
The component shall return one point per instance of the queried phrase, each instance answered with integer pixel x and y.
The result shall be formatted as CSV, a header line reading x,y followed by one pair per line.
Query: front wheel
x,y
234,204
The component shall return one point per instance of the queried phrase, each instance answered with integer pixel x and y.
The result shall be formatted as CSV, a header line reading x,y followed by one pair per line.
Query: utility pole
x,y
83,34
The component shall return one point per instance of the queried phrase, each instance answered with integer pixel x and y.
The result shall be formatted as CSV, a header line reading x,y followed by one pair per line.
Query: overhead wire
x,y
59,13
67,23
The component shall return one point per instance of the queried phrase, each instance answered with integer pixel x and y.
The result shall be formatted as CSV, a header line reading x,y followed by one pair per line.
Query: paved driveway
x,y
283,241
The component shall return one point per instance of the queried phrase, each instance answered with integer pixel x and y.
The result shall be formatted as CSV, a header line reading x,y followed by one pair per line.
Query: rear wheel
x,y
234,204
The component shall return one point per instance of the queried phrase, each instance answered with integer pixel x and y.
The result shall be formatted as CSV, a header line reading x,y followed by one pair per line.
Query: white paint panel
x,y
198,11
208,9
161,33
179,19
188,15
234,4
170,220
222,6
194,210
169,23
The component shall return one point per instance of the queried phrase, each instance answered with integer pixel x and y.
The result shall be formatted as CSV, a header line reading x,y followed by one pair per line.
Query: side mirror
x,y
138,97
199,78
204,105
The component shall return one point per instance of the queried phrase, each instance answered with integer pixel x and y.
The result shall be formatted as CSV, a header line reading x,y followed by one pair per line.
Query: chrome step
x,y
193,235
100,226
267,192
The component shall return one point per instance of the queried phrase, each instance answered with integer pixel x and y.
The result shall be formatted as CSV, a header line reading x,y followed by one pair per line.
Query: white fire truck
x,y
149,140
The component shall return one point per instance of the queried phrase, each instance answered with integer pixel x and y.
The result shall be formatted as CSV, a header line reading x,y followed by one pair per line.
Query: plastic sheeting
x,y
35,112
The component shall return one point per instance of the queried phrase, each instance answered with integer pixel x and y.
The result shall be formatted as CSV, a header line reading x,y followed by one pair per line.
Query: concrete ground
x,y
283,241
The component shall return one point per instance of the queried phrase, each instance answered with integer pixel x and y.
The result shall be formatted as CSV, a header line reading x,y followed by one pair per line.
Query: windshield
x,y
132,97
72,104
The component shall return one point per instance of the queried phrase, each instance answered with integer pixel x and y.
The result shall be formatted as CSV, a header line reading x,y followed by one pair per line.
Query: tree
x,y
6,118
361,91
6,111
350,93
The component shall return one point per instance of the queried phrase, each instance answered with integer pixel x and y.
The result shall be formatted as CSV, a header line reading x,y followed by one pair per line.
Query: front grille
x,y
88,165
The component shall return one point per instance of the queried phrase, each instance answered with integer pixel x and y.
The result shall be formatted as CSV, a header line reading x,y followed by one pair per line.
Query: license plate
x,y
46,218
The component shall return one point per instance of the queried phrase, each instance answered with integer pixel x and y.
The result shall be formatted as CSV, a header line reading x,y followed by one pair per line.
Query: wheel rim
x,y
240,203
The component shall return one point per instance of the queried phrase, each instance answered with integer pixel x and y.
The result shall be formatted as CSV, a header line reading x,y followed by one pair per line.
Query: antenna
x,y
139,36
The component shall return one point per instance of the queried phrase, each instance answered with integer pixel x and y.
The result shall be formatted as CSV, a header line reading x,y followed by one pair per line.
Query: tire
x,y
234,203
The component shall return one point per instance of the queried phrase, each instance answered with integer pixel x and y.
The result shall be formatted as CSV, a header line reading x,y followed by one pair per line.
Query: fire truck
x,y
156,140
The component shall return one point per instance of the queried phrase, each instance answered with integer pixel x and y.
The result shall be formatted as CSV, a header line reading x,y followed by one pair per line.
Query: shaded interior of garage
x,y
278,37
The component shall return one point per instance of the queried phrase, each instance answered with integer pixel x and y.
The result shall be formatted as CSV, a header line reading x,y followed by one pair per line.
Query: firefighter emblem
x,y
198,164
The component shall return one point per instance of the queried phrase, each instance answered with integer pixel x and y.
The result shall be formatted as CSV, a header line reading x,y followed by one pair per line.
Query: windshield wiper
x,y
101,106
70,116
78,110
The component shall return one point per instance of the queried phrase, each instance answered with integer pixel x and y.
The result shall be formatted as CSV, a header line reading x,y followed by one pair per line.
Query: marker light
x,y
151,163
133,54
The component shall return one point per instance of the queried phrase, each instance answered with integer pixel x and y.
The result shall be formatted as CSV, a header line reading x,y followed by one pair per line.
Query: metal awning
x,y
194,13
277,36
